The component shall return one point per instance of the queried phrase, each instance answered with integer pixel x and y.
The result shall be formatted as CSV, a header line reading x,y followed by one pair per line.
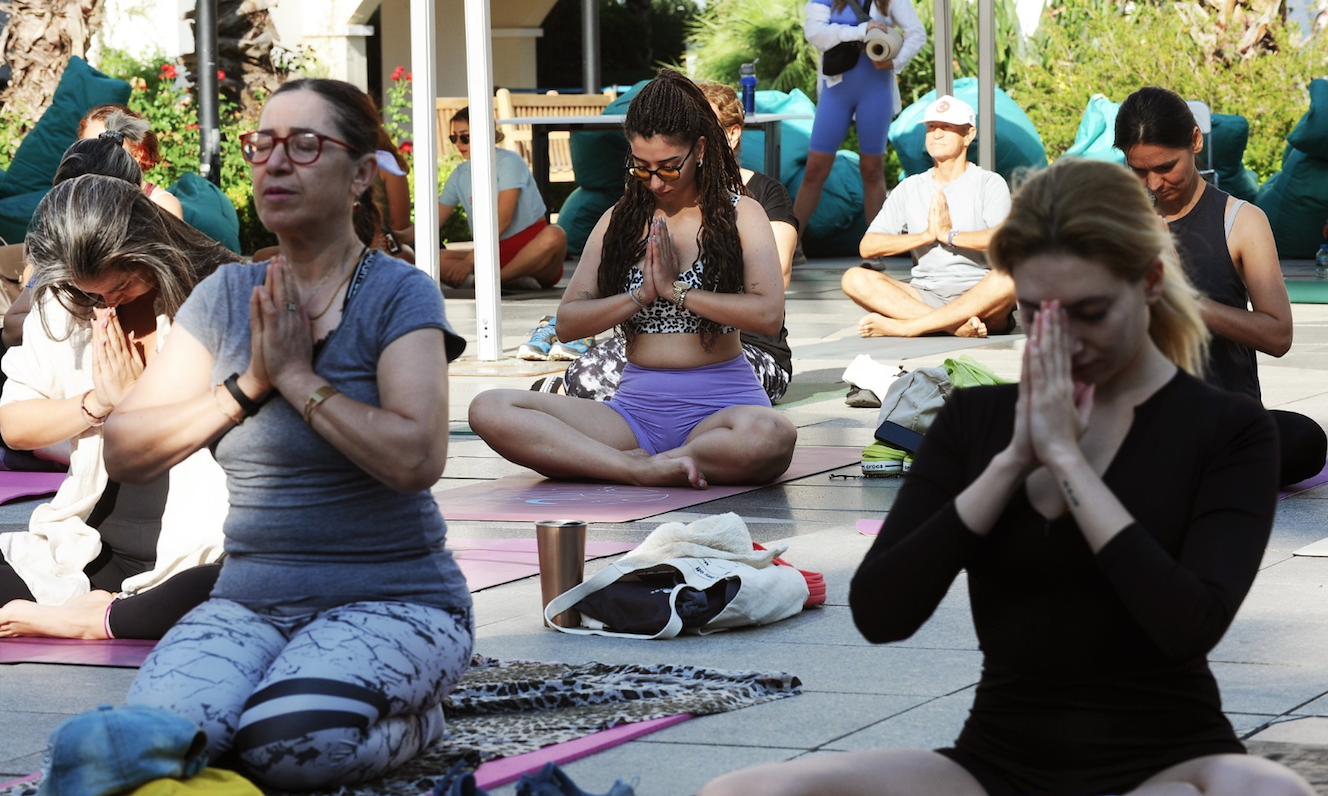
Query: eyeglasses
x,y
302,148
462,137
665,173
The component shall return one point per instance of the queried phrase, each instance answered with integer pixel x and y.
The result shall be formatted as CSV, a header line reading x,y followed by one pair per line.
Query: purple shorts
x,y
663,405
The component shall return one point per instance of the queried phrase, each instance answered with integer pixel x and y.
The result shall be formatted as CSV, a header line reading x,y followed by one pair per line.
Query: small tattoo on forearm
x,y
585,294
1069,493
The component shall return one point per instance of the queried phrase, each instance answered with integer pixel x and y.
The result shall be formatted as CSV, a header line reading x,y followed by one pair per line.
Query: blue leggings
x,y
864,91
331,698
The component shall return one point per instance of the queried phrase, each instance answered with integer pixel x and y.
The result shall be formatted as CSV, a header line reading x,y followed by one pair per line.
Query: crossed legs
x,y
563,437
895,309
541,258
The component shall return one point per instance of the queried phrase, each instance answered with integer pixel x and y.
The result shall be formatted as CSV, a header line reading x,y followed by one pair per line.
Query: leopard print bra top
x,y
662,316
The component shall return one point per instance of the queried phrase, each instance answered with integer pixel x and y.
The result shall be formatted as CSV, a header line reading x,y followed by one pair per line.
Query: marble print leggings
x,y
336,697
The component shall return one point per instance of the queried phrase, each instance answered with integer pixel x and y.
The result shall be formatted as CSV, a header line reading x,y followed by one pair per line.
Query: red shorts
x,y
508,248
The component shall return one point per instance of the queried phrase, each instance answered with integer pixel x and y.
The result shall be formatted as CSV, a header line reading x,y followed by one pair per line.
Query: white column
x,y
424,123
484,180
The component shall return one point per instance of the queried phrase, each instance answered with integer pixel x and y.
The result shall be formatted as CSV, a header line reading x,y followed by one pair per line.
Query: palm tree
x,y
249,52
37,43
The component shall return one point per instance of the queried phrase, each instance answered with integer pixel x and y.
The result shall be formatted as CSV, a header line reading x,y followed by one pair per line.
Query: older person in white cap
x,y
944,217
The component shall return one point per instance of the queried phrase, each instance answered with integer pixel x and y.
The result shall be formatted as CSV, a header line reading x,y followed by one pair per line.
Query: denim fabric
x,y
112,750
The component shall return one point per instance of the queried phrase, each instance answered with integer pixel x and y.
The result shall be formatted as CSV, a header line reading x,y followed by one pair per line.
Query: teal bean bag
x,y
837,226
795,135
81,88
599,156
1018,145
1310,134
1096,137
581,212
208,210
1231,134
1296,202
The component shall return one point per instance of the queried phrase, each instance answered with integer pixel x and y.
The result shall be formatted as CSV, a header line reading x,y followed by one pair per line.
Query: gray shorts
x,y
940,295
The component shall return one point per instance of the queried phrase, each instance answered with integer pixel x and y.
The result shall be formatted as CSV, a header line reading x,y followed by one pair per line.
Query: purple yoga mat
x,y
533,497
125,653
15,484
507,769
1306,485
490,562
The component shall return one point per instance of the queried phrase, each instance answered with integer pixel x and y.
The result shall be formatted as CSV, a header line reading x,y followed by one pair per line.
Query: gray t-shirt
x,y
308,529
978,200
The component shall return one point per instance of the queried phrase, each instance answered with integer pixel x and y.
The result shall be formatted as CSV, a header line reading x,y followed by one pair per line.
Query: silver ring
x,y
292,306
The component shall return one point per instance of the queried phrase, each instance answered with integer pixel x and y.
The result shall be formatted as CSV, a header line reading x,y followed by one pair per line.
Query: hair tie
x,y
112,135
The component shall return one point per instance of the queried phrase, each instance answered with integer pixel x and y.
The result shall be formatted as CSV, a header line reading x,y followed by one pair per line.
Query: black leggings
x,y
151,613
1304,446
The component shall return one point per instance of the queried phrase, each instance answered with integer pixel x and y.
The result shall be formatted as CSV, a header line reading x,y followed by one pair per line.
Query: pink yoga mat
x,y
870,527
508,769
533,497
1306,485
15,484
490,562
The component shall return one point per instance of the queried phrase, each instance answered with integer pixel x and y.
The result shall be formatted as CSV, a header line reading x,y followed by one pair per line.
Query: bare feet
x,y
874,324
664,470
81,617
973,327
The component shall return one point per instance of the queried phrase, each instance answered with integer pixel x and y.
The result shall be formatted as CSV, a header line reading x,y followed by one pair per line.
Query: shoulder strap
x,y
1230,220
857,9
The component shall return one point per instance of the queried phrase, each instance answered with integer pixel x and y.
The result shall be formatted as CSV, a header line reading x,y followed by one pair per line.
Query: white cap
x,y
951,111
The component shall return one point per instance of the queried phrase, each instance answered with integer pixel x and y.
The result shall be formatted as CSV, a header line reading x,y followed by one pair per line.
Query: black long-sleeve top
x,y
1095,673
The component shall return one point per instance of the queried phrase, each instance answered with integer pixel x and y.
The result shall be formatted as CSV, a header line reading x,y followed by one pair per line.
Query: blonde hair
x,y
1099,211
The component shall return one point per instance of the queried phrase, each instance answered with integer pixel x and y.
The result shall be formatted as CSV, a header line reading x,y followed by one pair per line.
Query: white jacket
x,y
823,34
51,554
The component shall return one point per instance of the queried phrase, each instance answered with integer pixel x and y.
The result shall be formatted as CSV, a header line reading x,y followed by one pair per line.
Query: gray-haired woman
x,y
110,270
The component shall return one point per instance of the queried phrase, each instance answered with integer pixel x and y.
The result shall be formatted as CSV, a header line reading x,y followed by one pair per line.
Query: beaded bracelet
x,y
236,420
92,420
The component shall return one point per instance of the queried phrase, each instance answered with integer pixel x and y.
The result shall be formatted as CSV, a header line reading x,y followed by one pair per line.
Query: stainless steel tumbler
x,y
562,562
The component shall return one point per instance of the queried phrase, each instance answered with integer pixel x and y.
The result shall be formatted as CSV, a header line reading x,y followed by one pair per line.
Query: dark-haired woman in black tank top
x,y
1229,253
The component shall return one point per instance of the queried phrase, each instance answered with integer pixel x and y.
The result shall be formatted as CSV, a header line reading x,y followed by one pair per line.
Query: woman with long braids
x,y
680,264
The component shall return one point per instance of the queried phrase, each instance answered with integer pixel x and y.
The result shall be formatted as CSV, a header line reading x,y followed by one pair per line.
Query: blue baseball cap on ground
x,y
113,750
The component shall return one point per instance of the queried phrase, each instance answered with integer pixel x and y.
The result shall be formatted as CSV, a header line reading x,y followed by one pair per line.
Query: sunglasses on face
x,y
301,148
665,173
462,137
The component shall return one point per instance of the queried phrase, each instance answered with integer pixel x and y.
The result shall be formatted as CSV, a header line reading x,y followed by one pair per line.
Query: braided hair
x,y
672,106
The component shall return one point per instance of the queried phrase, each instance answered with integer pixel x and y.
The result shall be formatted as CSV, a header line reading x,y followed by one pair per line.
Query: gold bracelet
x,y
92,420
316,399
234,419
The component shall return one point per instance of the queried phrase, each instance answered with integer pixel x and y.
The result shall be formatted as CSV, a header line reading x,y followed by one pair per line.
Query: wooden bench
x,y
517,138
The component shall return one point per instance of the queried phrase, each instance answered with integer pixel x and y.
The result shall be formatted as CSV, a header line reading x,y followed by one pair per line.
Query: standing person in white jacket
x,y
868,92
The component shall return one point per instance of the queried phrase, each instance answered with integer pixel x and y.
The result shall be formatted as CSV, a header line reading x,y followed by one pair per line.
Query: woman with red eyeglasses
x,y
680,264
319,381
529,247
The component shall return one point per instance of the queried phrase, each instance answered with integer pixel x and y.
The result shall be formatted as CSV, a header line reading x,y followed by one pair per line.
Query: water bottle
x,y
1321,262
747,79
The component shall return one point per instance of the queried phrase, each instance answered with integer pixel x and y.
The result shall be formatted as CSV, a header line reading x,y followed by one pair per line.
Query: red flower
x,y
168,71
398,72
221,75
409,76
191,127
406,147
